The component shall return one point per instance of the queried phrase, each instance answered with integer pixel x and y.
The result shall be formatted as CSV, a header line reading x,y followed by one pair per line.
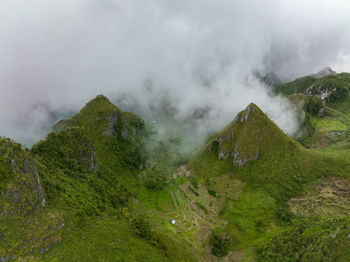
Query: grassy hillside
x,y
318,228
89,175
103,187
332,88
272,167
262,154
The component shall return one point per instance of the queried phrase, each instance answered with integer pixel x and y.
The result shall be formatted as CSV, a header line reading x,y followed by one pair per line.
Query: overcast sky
x,y
55,55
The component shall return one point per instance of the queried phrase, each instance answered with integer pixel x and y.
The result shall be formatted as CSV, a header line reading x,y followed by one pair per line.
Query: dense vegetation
x,y
336,86
309,239
299,85
105,187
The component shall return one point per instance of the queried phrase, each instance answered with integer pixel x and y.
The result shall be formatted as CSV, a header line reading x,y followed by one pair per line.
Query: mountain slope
x,y
272,167
116,134
88,170
108,198
98,155
329,125
255,149
250,135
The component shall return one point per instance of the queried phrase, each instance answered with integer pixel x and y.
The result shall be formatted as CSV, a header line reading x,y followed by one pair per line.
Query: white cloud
x,y
56,55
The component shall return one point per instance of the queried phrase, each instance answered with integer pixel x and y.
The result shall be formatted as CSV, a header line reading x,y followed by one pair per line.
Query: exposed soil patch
x,y
328,138
329,198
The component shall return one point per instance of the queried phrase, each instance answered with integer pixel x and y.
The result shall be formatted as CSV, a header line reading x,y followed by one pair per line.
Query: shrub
x,y
212,192
193,191
340,94
155,177
308,239
142,228
220,243
194,183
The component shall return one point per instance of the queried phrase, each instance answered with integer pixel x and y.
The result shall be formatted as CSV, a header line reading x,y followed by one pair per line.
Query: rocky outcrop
x,y
182,171
238,142
251,137
309,104
26,229
23,193
320,91
89,159
241,161
331,88
112,119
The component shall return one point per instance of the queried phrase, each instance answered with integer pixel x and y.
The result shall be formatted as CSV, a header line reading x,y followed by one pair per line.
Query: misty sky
x,y
55,55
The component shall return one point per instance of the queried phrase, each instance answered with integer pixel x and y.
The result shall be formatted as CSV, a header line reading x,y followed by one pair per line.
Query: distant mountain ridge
x,y
324,72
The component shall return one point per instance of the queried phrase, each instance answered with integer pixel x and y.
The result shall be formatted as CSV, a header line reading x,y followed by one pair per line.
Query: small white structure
x,y
173,221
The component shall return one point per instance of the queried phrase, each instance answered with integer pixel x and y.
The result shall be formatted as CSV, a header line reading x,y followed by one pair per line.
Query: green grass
x,y
159,200
104,239
111,184
282,171
329,124
282,165
250,218
89,172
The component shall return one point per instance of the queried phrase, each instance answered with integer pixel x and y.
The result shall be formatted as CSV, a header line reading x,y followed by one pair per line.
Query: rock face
x,y
112,119
238,143
90,159
23,193
26,228
330,88
308,103
320,91
251,135
182,171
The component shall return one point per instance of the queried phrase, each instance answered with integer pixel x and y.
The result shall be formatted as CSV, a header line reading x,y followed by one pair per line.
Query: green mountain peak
x,y
250,135
98,113
109,194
